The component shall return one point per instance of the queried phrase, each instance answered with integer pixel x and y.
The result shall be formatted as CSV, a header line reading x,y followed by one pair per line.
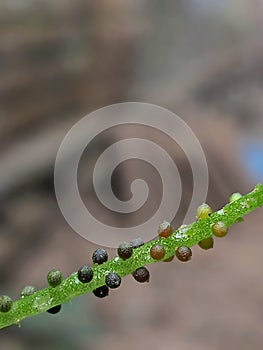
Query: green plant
x,y
93,278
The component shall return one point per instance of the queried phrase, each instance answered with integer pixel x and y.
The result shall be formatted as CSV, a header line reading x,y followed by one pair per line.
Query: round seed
x,y
5,303
165,229
27,290
125,250
54,278
234,197
203,211
157,252
54,310
206,243
141,275
99,256
101,292
85,274
219,229
183,253
113,280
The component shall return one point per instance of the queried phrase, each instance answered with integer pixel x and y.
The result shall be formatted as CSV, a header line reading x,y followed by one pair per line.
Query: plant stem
x,y
189,235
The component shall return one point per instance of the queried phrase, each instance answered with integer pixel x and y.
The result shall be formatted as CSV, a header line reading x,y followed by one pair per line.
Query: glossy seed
x,y
206,243
137,242
203,211
54,310
6,303
99,256
165,229
219,229
157,252
141,275
54,278
234,197
125,250
85,274
113,280
27,290
183,253
101,292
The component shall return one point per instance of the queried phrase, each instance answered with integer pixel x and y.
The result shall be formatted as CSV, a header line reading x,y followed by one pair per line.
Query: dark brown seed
x,y
141,275
183,253
113,280
220,229
157,252
165,229
99,256
85,274
206,243
54,310
125,250
101,292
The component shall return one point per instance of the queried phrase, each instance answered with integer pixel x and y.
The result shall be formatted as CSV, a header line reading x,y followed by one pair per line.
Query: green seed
x,y
234,197
5,303
206,243
27,290
54,278
203,211
219,229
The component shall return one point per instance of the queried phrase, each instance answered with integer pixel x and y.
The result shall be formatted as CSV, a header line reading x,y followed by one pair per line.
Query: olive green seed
x,y
5,303
54,278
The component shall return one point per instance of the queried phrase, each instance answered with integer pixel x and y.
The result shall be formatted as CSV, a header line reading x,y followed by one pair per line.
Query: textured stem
x,y
188,235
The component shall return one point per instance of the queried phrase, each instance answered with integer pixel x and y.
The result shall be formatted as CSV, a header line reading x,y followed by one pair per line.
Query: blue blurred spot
x,y
252,156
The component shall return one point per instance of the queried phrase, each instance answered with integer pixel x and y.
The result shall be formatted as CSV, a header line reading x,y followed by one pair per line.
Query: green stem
x,y
188,235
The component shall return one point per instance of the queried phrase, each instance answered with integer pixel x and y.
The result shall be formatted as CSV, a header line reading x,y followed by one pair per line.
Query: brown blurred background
x,y
203,60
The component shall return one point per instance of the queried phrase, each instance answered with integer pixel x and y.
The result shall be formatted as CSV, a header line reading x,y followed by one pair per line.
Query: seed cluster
x,y
125,251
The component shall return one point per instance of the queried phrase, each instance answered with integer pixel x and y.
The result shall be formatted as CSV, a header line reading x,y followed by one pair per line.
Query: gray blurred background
x,y
201,59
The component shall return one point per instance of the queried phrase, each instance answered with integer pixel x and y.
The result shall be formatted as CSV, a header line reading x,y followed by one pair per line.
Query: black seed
x,y
125,250
54,278
113,280
99,256
141,275
101,292
183,253
85,274
27,290
54,310
137,242
5,303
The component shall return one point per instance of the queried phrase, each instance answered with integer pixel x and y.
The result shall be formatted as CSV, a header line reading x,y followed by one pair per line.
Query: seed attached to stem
x,y
6,303
220,229
54,310
137,242
101,292
183,253
85,274
203,211
206,243
99,256
125,250
113,280
157,252
141,275
234,197
54,278
27,290
165,229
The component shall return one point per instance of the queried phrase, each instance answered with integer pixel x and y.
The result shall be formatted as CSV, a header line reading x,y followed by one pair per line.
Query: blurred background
x,y
201,59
